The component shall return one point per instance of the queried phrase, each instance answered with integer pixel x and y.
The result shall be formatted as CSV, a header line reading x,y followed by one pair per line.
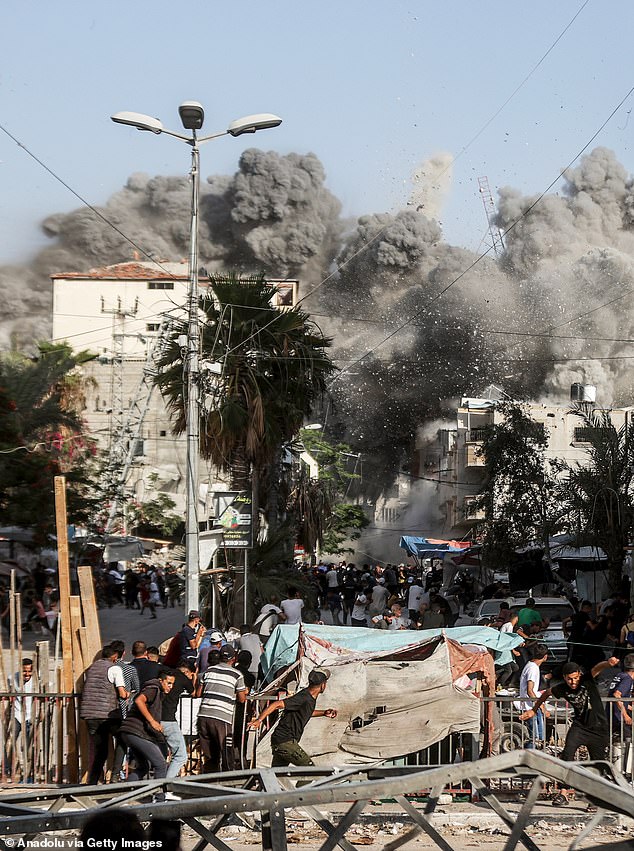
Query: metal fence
x,y
37,737
510,733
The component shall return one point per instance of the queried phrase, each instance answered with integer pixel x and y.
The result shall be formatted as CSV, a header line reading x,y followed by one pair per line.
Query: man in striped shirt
x,y
220,687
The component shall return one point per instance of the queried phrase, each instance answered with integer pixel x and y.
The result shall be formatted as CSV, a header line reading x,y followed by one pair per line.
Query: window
x,y
585,435
160,285
138,448
153,326
162,433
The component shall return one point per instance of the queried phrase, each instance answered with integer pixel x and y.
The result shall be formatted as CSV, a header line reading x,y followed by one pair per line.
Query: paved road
x,y
130,625
118,622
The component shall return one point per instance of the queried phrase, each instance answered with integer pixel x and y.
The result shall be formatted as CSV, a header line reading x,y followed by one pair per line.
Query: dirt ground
x,y
376,836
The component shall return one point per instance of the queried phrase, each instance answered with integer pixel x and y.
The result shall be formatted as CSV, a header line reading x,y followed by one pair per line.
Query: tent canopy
x,y
431,547
283,646
395,692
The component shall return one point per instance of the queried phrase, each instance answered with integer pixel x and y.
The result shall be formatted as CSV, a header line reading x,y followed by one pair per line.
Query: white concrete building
x,y
453,461
116,312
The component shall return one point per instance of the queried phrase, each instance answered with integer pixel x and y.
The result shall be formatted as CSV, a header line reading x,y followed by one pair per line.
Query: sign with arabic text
x,y
234,517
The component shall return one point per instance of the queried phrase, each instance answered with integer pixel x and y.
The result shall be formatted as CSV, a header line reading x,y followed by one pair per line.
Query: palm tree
x,y
598,497
271,366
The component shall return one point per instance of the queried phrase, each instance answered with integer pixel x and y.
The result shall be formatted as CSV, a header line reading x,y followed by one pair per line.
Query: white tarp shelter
x,y
390,701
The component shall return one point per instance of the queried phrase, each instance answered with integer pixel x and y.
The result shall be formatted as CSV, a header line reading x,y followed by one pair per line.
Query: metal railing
x,y
36,749
510,733
35,736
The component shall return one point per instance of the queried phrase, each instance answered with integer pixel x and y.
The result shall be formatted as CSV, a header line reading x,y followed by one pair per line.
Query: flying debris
x,y
427,314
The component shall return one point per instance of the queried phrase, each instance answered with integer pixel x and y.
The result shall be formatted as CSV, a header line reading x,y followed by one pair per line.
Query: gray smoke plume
x,y
567,271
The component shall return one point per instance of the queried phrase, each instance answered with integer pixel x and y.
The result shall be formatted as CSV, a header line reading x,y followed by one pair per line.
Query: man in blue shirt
x,y
622,688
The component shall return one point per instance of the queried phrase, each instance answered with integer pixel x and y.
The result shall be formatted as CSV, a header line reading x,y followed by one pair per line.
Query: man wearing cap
x,y
213,640
379,598
191,635
220,687
358,616
590,725
297,710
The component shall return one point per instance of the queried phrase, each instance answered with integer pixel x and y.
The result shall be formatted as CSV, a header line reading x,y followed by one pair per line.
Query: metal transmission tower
x,y
489,208
119,315
125,435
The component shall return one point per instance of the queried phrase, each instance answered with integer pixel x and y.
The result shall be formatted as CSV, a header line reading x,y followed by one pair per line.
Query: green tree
x,y
519,496
154,517
598,496
41,436
325,517
271,367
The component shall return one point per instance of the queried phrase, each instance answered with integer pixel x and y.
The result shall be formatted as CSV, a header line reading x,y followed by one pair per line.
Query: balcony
x,y
476,435
475,457
471,513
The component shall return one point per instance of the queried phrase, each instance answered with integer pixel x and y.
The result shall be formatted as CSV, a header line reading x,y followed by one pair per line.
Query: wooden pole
x,y
43,660
79,664
5,708
63,569
13,744
89,606
64,583
24,744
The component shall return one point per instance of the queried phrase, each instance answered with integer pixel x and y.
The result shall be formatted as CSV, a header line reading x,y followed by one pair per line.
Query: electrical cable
x,y
480,257
461,152
86,203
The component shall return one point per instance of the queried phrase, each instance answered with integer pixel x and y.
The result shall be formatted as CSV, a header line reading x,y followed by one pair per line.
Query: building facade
x,y
119,313
453,459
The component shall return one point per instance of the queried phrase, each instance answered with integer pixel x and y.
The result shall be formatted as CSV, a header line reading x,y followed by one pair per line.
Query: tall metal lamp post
x,y
192,117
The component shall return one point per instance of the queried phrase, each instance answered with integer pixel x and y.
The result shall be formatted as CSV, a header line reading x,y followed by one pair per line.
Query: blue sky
x,y
373,88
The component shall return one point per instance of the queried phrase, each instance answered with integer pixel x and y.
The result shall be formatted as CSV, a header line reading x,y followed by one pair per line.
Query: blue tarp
x,y
424,548
281,648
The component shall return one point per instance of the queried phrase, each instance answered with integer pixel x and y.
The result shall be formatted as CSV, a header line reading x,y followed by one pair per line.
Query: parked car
x,y
489,608
553,610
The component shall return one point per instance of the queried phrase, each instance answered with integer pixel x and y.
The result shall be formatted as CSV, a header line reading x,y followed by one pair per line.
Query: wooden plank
x,y
63,569
12,655
89,607
81,660
79,665
84,643
43,664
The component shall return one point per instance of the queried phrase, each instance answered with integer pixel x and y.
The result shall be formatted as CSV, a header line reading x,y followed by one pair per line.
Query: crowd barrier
x,y
38,751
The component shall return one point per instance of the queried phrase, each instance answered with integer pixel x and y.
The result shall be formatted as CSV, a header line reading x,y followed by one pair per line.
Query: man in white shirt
x,y
292,607
269,617
510,624
398,620
251,642
23,706
529,688
415,597
358,617
332,578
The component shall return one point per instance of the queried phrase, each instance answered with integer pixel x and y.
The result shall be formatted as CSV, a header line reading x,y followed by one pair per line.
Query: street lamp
x,y
192,117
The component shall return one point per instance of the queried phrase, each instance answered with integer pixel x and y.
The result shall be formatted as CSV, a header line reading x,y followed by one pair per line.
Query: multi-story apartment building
x,y
117,313
453,460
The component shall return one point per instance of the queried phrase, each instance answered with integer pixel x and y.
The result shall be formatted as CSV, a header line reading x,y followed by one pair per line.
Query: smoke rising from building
x,y
567,271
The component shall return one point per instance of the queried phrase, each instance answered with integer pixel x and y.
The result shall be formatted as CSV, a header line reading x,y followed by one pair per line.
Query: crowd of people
x,y
376,596
146,586
135,703
599,638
